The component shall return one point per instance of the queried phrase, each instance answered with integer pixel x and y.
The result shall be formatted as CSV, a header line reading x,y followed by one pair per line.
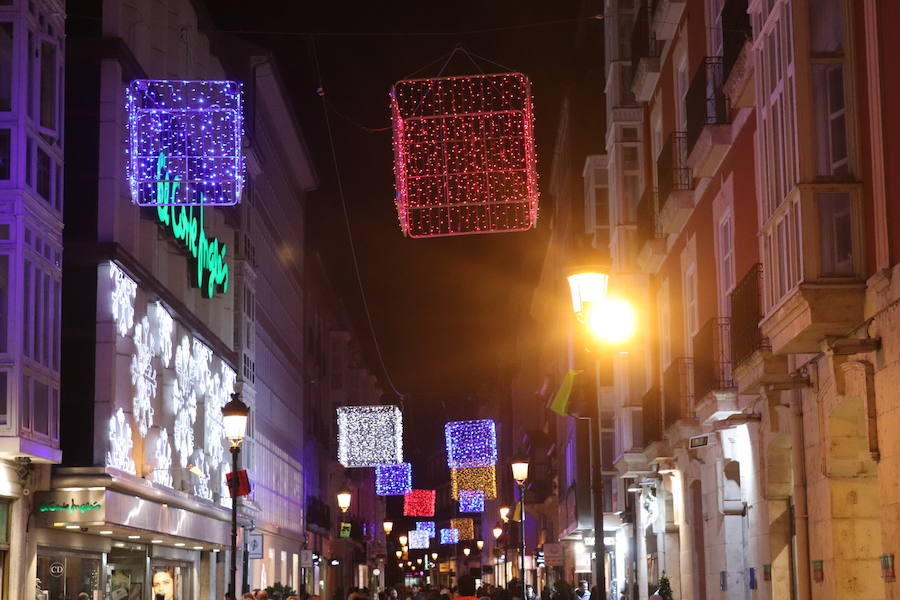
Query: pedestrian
x,y
465,588
582,592
262,595
248,596
529,592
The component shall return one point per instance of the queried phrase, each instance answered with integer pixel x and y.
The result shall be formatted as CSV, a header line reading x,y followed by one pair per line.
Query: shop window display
x,y
65,577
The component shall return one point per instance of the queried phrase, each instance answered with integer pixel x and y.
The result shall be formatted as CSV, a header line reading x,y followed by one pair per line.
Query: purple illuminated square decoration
x,y
471,444
393,480
471,500
184,142
449,536
427,526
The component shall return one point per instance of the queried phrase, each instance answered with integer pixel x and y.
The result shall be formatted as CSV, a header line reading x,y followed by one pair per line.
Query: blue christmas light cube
x,y
471,500
418,540
393,480
184,146
427,526
471,444
449,536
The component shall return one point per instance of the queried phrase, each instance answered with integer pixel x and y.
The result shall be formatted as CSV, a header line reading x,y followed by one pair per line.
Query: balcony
x,y
738,63
675,184
708,118
644,56
753,363
666,17
678,393
713,385
651,241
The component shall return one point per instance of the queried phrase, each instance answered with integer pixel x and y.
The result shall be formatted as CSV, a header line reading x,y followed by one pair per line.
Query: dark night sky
x,y
446,311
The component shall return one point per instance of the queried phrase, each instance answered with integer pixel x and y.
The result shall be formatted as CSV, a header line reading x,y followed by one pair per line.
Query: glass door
x,y
67,577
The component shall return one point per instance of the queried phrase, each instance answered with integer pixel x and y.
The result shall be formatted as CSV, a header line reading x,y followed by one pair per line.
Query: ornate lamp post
x,y
520,474
234,417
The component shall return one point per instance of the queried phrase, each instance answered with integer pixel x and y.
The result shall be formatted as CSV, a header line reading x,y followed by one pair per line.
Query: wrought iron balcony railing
x,y
643,40
712,357
746,313
705,101
672,171
736,31
678,393
648,217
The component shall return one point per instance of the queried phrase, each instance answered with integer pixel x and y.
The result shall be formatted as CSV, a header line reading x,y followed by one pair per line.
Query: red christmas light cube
x,y
419,503
464,156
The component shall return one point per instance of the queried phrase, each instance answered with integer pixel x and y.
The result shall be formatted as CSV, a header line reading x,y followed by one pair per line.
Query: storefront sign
x,y
57,569
306,559
255,546
345,530
78,506
553,555
72,507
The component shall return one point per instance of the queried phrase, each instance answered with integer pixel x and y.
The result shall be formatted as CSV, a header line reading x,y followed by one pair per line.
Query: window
x,y
690,308
665,326
630,158
5,154
831,119
836,227
44,172
48,86
725,245
42,306
714,18
6,66
681,89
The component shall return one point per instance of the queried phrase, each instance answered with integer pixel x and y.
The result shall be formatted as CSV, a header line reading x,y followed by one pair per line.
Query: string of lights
x,y
418,540
465,528
369,436
475,478
419,503
471,443
471,501
426,526
449,536
393,480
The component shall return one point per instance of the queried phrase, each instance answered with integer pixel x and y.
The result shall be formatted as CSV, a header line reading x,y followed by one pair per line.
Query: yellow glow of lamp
x,y
434,556
388,527
504,513
234,420
498,531
587,288
611,321
467,551
520,470
480,544
403,540
399,553
343,500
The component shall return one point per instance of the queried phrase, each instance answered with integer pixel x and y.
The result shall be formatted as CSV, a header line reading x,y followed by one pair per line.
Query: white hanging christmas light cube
x,y
418,539
185,142
369,436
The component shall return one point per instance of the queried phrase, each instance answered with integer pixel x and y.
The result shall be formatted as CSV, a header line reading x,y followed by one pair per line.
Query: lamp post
x,y
234,418
611,322
343,500
504,513
388,527
520,474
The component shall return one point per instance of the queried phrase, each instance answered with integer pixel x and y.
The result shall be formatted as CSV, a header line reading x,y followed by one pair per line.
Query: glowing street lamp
x,y
388,527
609,320
399,553
497,531
403,540
587,287
434,555
343,500
467,551
520,474
235,415
480,544
504,513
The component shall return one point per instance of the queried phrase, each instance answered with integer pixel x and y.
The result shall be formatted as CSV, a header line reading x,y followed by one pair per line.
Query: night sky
x,y
446,311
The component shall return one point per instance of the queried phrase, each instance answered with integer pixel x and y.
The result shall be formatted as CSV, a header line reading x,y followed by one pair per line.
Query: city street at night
x,y
472,300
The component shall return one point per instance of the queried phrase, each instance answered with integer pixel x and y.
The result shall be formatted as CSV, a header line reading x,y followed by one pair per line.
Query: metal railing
x,y
643,40
678,394
705,101
746,313
712,357
672,172
648,217
736,32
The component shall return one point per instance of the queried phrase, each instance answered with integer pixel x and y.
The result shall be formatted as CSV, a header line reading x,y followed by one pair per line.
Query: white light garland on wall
x,y
165,329
123,294
143,376
120,443
162,451
221,389
201,482
185,403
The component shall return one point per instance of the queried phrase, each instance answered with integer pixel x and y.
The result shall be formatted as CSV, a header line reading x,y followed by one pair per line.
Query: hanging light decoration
x,y
449,536
418,540
393,480
184,142
471,443
427,526
419,503
464,157
471,500
464,527
369,436
478,478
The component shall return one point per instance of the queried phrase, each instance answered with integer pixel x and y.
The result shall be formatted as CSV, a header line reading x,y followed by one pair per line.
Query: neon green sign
x,y
186,226
72,507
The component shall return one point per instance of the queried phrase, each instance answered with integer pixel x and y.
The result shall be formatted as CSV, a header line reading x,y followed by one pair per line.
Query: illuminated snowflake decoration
x,y
221,388
185,142
199,367
185,403
465,528
475,479
120,443
427,526
418,540
419,503
393,480
471,444
449,536
165,329
471,501
369,436
123,294
201,482
162,463
143,376
464,156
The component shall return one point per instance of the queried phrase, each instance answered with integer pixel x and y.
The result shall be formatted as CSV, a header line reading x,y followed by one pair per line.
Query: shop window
x,y
63,577
6,65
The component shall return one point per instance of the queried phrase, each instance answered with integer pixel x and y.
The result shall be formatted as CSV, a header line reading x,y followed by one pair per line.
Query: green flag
x,y
560,404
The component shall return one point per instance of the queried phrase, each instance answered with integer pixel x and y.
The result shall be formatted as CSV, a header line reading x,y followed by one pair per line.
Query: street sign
x,y
539,558
306,559
255,546
553,555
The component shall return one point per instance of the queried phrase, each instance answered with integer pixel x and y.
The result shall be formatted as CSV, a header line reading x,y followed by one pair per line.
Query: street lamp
x,y
520,474
399,554
467,551
388,527
234,419
403,539
343,500
497,531
504,513
434,555
480,544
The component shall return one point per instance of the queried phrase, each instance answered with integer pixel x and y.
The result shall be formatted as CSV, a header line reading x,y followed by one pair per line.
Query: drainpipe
x,y
801,514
